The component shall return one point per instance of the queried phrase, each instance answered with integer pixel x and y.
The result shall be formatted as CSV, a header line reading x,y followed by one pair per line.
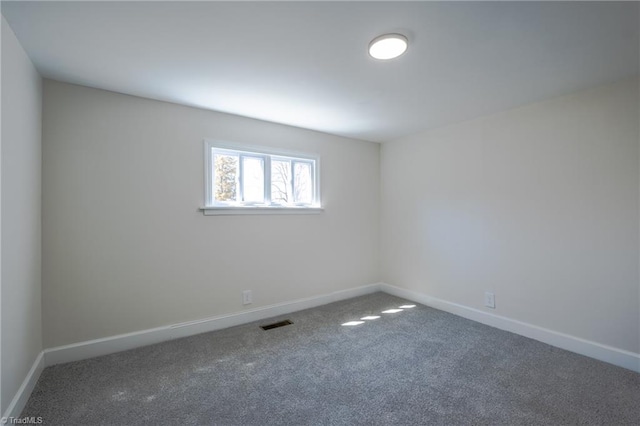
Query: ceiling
x,y
306,64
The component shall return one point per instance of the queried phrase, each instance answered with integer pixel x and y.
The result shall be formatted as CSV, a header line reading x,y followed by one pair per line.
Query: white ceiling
x,y
306,63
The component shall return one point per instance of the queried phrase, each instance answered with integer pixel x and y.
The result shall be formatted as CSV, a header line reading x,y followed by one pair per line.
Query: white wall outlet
x,y
247,298
489,300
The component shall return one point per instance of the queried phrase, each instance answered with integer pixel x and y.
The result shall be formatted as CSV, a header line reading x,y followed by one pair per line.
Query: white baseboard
x,y
619,357
24,391
112,344
123,342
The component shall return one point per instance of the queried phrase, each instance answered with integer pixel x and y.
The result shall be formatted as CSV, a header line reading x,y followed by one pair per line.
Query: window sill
x,y
219,211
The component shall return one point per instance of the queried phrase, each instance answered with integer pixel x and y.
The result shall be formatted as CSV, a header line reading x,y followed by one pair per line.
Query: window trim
x,y
266,153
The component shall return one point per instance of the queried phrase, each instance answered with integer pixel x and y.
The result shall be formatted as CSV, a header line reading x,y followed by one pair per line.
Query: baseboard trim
x,y
609,354
24,391
118,343
123,342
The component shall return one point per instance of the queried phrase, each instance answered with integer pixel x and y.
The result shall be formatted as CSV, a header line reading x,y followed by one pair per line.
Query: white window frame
x,y
213,207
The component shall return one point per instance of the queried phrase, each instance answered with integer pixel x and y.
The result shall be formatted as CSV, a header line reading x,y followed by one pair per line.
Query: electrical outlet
x,y
489,300
247,299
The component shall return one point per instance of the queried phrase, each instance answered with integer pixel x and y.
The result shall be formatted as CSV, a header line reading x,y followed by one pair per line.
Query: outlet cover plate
x,y
489,300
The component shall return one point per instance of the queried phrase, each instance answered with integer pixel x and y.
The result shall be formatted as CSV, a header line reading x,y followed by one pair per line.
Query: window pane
x,y
226,177
281,181
239,179
302,183
253,179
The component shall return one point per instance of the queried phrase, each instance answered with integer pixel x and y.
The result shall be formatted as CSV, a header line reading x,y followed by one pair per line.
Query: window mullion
x,y
267,180
240,195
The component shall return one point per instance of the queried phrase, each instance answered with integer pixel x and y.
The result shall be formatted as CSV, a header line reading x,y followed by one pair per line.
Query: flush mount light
x,y
388,46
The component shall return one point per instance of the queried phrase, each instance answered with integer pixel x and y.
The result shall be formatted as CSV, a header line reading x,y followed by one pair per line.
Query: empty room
x,y
320,213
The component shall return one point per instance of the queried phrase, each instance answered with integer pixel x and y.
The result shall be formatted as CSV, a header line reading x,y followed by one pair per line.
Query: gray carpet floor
x,y
415,367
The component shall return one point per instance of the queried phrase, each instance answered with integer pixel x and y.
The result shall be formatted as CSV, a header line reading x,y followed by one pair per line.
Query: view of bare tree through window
x,y
291,181
226,177
281,181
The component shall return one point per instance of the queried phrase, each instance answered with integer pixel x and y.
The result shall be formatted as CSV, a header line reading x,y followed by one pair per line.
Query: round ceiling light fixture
x,y
388,46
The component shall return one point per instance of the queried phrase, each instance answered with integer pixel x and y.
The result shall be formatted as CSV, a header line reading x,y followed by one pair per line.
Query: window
x,y
245,179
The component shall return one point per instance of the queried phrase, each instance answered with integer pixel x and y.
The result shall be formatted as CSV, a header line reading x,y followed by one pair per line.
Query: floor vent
x,y
276,325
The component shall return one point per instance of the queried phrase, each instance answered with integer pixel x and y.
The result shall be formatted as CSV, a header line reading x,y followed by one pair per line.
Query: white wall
x,y
124,246
20,220
537,204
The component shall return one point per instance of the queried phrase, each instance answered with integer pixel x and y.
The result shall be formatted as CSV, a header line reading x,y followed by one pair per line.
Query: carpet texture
x,y
415,367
